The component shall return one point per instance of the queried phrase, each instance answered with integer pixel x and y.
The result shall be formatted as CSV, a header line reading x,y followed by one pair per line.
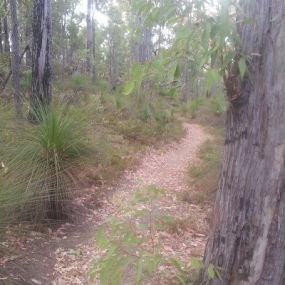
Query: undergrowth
x,y
131,247
38,178
40,163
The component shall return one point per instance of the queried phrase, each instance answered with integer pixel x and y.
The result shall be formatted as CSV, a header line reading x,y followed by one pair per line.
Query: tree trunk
x,y
90,65
6,30
185,94
15,60
93,51
248,231
62,38
28,42
1,45
142,45
112,65
41,56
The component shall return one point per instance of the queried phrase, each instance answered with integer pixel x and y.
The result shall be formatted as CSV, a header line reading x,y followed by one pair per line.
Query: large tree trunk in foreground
x,y
41,55
247,239
15,60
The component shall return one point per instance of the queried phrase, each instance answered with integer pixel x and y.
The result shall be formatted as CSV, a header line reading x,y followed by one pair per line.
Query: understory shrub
x,y
38,180
131,248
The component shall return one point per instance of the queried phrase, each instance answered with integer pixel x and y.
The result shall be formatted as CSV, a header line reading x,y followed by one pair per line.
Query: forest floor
x,y
68,253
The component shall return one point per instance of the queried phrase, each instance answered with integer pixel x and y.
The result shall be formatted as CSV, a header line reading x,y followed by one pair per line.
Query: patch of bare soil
x,y
66,255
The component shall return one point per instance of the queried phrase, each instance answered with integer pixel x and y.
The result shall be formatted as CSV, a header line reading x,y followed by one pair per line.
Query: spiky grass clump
x,y
39,166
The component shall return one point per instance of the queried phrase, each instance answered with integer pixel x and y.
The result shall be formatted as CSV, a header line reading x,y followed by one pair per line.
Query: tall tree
x,y
28,35
247,236
41,55
90,26
6,29
15,59
143,43
1,45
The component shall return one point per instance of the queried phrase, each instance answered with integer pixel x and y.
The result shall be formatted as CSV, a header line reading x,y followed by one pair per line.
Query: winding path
x,y
165,168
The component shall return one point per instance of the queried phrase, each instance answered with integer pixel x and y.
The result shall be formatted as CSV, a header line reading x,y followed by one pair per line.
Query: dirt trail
x,y
165,168
64,257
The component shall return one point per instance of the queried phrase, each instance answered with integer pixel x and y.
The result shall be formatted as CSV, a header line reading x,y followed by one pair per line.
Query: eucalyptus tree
x,y
116,46
1,44
246,243
41,56
15,59
6,28
90,39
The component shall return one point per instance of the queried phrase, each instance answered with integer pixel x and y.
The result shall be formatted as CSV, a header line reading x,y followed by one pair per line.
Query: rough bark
x,y
248,232
41,55
143,44
15,60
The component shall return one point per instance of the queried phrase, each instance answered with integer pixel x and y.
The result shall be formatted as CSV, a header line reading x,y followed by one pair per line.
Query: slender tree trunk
x,y
143,45
90,65
185,94
62,47
15,60
93,50
112,65
6,80
28,34
62,39
6,30
146,45
1,45
248,232
41,56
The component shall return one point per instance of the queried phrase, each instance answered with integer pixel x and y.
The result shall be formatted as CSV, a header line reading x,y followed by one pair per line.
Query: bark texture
x,y
41,54
247,239
15,59
143,44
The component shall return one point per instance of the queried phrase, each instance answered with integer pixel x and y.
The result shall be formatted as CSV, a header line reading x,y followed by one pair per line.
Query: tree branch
x,y
10,72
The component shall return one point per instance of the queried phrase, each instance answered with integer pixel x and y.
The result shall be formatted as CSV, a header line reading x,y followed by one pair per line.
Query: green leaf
x,y
139,271
211,271
129,87
101,240
181,280
177,265
177,72
212,76
196,263
242,66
